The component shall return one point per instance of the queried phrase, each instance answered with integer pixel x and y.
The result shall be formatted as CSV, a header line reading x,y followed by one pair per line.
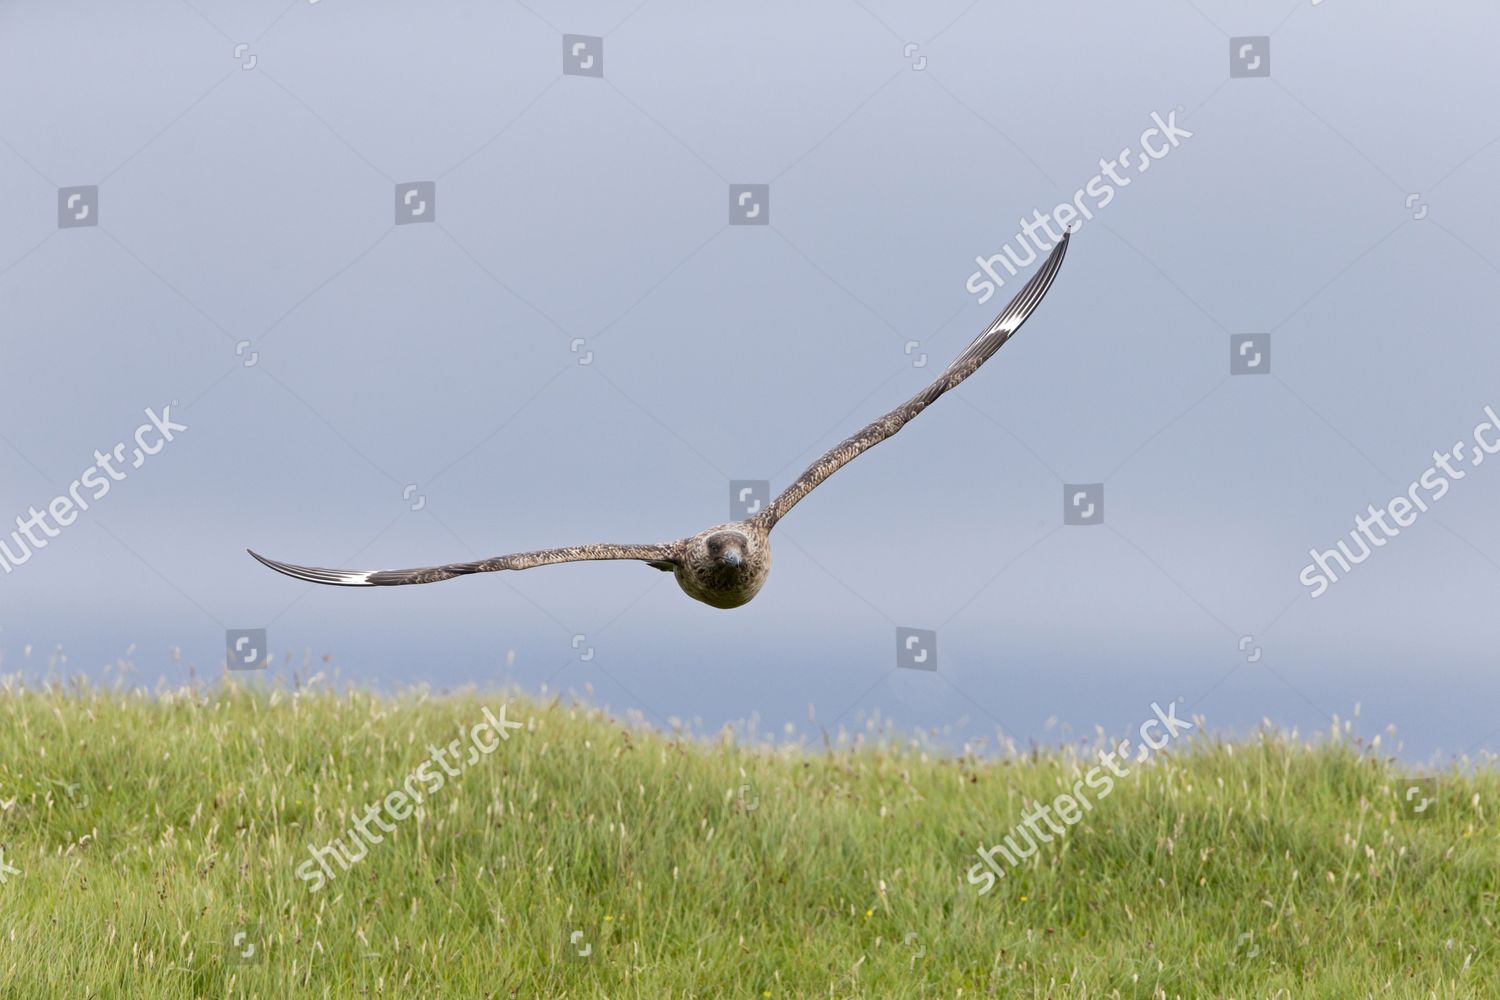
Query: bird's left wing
x,y
659,556
977,353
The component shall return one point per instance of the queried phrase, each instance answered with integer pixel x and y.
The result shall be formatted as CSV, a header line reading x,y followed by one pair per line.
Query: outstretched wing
x,y
659,556
977,353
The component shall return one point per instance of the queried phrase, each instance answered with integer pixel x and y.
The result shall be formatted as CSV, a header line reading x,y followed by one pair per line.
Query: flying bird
x,y
725,566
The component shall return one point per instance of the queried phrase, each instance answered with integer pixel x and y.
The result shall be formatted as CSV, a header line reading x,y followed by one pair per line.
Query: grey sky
x,y
1345,205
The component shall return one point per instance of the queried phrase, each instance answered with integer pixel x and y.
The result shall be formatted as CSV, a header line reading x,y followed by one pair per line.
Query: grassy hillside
x,y
163,847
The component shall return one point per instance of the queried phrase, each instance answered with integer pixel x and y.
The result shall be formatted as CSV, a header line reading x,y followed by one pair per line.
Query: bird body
x,y
726,565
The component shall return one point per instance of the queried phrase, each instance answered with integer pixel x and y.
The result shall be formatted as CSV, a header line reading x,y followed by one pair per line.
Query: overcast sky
x,y
572,343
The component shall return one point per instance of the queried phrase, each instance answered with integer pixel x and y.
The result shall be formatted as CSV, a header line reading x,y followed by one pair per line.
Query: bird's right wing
x,y
659,556
977,353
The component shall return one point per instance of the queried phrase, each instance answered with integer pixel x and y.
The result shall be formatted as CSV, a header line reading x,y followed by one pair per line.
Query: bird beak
x,y
732,558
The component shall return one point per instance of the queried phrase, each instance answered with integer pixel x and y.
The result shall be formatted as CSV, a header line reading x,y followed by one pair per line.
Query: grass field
x,y
159,847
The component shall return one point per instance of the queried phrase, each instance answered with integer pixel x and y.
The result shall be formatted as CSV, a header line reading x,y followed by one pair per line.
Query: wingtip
x,y
268,563
314,574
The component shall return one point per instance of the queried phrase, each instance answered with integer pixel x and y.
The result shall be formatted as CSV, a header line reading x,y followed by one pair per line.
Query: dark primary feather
x,y
977,353
666,554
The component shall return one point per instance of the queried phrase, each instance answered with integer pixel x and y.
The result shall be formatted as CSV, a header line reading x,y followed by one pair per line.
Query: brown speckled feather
x,y
432,574
977,353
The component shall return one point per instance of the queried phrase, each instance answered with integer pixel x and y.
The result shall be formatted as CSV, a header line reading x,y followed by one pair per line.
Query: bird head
x,y
727,548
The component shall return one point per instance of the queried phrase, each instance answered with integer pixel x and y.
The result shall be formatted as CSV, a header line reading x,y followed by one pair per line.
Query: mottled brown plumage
x,y
726,565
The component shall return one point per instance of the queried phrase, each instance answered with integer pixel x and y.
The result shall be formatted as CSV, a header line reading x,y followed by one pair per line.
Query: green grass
x,y
150,830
